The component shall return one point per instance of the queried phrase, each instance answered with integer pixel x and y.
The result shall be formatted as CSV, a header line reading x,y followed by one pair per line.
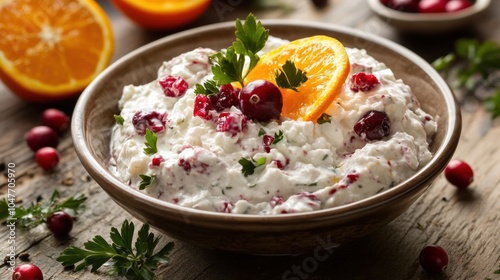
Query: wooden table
x,y
466,224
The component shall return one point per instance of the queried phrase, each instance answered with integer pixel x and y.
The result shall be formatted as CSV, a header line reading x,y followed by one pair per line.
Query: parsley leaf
x,y
230,66
324,118
150,143
261,132
37,213
248,166
119,119
278,136
146,181
290,77
139,262
207,88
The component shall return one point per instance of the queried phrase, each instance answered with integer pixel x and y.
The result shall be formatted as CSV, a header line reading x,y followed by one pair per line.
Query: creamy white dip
x,y
325,165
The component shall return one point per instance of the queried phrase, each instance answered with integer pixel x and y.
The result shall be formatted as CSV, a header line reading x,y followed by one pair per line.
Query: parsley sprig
x,y
248,166
137,262
37,213
231,65
288,76
150,143
475,65
146,181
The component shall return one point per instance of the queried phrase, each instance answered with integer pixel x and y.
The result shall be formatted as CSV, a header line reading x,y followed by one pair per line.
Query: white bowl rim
x,y
450,139
389,13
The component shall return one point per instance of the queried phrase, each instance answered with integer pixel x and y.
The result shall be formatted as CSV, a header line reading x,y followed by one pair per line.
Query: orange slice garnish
x,y
162,14
327,65
51,50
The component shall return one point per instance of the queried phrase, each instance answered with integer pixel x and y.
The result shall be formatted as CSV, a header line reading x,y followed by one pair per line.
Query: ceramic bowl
x,y
254,234
430,23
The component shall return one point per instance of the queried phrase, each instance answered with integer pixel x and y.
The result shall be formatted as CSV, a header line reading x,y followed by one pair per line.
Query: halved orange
x,y
327,65
52,49
162,14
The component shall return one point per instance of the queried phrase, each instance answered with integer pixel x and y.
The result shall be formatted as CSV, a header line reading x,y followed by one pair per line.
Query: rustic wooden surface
x,y
465,223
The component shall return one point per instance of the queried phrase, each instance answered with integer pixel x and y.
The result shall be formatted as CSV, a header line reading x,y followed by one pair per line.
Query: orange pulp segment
x,y
327,65
52,49
162,14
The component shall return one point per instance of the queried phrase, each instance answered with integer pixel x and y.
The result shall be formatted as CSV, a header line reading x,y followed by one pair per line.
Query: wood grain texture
x,y
466,223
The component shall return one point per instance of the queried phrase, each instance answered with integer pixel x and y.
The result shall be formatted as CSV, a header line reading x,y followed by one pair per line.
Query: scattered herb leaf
x,y
278,136
207,88
248,166
288,76
261,132
146,181
119,119
37,213
492,104
150,143
324,118
139,262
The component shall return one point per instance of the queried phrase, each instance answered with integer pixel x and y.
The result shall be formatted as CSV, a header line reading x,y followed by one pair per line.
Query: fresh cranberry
x,y
231,122
432,6
352,177
173,86
60,224
148,119
225,98
227,207
261,100
184,164
41,136
457,5
55,119
279,164
459,173
433,259
363,82
409,6
202,107
27,271
47,158
374,125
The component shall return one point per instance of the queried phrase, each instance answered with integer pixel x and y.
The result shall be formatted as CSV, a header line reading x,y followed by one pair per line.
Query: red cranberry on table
x,y
433,259
47,158
60,224
55,119
261,100
27,272
459,173
41,136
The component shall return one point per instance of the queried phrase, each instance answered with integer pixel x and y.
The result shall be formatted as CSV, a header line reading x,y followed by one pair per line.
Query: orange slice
x,y
327,65
52,49
162,14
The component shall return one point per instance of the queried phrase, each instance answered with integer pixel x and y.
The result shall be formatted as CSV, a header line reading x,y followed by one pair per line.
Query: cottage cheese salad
x,y
204,152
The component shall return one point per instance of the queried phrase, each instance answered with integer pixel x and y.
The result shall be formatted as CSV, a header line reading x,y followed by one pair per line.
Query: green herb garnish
x,y
248,166
37,213
207,88
150,143
229,66
324,118
288,76
146,181
474,64
278,136
138,262
119,119
262,132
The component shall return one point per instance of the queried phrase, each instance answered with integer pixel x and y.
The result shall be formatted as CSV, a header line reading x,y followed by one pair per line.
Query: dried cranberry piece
x,y
225,98
363,82
153,120
173,86
202,107
374,125
231,122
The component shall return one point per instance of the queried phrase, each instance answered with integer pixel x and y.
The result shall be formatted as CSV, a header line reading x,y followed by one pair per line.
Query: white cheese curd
x,y
314,166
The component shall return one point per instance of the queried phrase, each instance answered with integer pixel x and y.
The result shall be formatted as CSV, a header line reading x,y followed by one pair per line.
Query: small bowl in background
x,y
293,233
430,23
